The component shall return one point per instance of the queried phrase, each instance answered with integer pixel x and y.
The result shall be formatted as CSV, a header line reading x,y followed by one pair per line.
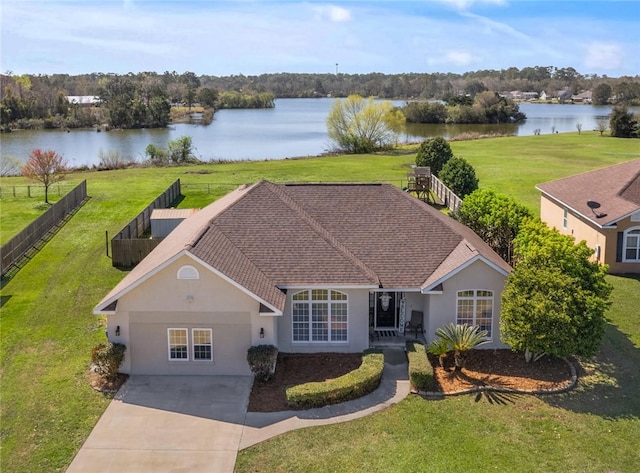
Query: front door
x,y
385,309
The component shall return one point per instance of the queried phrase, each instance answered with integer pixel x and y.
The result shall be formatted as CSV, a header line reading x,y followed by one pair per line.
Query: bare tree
x,y
46,167
603,124
9,166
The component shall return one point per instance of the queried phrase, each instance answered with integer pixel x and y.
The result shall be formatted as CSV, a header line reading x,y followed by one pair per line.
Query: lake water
x,y
295,127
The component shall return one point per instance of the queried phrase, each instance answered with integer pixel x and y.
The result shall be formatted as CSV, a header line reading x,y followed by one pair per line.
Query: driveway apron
x,y
168,424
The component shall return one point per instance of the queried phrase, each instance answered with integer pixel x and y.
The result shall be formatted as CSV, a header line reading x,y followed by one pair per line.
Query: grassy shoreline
x,y
47,331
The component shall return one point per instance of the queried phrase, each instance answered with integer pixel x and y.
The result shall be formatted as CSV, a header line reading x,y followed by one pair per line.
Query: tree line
x,y
39,101
141,100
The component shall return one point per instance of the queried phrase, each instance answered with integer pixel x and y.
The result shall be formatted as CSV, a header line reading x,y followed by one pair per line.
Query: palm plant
x,y
439,348
460,339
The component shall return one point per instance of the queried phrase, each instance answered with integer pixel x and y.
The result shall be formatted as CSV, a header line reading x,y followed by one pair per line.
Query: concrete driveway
x,y
169,424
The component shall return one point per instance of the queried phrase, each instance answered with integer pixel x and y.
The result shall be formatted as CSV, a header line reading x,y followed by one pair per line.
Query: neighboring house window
x,y
202,346
631,250
188,272
178,344
319,315
565,219
475,307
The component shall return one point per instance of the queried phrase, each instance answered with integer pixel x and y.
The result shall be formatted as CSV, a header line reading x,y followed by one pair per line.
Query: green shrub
x,y
352,385
262,360
420,370
108,357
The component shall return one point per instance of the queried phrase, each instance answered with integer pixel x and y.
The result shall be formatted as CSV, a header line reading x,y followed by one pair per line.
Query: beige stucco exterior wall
x,y
420,302
443,307
146,312
552,214
357,331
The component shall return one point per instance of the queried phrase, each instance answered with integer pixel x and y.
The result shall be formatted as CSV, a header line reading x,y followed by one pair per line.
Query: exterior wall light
x,y
262,332
117,330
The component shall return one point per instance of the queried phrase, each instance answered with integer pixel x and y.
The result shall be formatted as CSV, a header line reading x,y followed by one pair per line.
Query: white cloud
x,y
599,55
453,59
465,4
333,13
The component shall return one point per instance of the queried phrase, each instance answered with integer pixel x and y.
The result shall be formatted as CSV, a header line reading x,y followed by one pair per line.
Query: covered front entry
x,y
386,310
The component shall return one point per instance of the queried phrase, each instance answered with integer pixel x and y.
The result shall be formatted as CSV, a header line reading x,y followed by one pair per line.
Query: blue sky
x,y
267,36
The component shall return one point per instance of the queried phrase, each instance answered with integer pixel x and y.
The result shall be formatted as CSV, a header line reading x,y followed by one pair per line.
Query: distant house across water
x,y
84,100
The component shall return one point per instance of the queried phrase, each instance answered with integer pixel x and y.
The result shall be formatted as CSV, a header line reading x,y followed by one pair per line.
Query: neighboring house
x,y
84,100
305,267
601,207
583,97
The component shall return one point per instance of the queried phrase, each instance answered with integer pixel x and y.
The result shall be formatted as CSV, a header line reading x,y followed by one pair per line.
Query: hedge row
x,y
352,385
420,369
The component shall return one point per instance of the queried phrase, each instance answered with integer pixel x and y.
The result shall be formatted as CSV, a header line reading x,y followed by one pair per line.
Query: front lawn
x,y
48,330
594,428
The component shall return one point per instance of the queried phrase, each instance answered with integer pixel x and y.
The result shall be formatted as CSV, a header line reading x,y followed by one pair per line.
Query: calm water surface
x,y
295,127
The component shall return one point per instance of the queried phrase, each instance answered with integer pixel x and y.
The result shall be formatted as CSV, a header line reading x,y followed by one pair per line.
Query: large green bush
x,y
420,370
262,360
459,176
108,357
434,152
352,385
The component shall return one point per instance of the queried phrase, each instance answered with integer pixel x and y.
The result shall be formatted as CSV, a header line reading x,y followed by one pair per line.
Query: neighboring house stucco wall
x,y
616,267
552,213
358,327
161,302
443,307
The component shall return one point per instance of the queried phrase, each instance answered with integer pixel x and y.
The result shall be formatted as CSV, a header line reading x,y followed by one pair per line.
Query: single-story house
x,y
305,267
601,207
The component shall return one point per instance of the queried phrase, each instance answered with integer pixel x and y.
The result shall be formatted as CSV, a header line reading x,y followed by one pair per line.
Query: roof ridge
x,y
217,208
628,184
290,202
221,234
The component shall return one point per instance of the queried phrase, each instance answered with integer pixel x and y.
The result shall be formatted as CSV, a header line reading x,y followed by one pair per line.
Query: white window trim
x,y
310,302
475,299
624,245
169,343
565,219
193,345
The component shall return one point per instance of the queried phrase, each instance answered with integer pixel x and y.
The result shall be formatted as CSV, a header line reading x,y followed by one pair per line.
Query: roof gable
x,y
616,188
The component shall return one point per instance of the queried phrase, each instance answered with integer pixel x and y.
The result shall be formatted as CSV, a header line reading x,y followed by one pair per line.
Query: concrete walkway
x,y
394,387
198,423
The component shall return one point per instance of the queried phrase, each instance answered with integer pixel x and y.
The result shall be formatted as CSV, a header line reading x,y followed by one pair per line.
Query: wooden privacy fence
x,y
446,195
20,244
127,248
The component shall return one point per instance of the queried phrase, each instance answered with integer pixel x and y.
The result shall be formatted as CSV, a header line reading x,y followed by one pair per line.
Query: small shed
x,y
164,221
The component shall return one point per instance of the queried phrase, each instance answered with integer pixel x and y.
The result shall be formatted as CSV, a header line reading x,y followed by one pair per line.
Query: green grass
x,y
47,331
594,428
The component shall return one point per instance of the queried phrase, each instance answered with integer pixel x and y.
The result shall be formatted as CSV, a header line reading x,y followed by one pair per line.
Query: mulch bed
x,y
293,369
500,369
102,384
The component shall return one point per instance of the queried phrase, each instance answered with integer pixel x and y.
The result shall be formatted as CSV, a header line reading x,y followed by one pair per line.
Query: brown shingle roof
x,y
616,188
273,236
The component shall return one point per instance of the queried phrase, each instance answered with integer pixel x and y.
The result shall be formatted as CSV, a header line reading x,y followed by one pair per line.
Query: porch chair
x,y
414,323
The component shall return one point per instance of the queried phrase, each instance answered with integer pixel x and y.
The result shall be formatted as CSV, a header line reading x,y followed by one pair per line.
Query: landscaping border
x,y
480,389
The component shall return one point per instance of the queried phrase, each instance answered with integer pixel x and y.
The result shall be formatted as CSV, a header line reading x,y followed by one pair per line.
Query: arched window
x,y
475,307
319,315
631,248
188,272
